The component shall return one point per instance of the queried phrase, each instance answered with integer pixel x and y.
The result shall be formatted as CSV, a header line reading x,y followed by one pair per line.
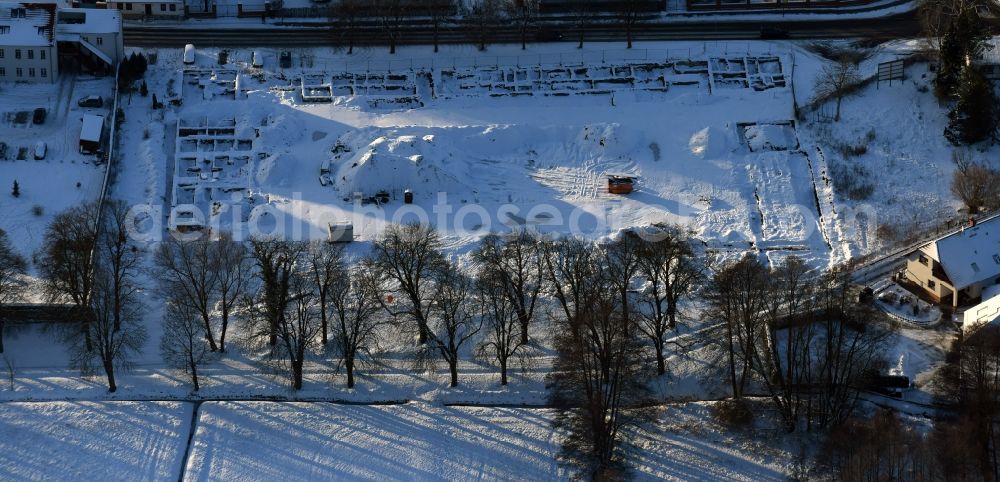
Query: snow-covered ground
x,y
109,441
416,441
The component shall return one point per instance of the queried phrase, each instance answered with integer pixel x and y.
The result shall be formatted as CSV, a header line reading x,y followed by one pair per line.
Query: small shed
x,y
620,183
91,133
340,232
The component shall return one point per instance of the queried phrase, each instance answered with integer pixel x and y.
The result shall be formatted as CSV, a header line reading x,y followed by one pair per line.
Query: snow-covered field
x,y
317,441
105,441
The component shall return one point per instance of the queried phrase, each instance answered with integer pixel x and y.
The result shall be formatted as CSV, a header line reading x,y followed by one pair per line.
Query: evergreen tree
x,y
973,118
17,190
143,89
964,40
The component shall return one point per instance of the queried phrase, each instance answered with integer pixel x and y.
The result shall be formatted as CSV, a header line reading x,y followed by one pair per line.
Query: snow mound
x,y
770,137
709,142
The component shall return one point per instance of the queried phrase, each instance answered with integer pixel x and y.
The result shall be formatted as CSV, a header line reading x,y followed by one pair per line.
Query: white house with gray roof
x,y
957,268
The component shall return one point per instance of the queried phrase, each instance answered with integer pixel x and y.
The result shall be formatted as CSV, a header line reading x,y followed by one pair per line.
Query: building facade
x,y
38,40
160,9
957,268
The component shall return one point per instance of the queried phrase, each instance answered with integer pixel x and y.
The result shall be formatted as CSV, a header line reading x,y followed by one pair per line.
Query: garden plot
x,y
209,84
783,191
214,162
759,73
316,88
380,90
775,136
106,441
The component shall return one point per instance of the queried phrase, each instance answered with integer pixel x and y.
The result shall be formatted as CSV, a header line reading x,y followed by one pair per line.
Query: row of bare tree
x,y
482,18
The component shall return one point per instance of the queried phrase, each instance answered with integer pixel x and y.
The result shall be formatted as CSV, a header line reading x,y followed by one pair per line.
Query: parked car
x,y
40,150
188,54
286,59
39,116
91,101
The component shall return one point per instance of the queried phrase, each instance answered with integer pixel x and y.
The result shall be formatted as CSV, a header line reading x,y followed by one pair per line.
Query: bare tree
x,y
234,272
598,377
408,255
454,321
183,345
523,13
390,14
628,14
116,329
569,265
120,254
504,340
514,264
188,270
671,273
326,265
737,295
12,283
440,10
837,81
346,15
583,16
295,329
356,316
66,262
483,16
278,262
975,184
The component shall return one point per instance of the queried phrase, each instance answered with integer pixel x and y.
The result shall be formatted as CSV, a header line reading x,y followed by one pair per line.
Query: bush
x,y
852,181
37,210
733,414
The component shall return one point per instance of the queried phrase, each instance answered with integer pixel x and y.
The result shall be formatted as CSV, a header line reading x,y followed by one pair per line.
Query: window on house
x,y
4,28
44,72
923,260
931,284
173,7
19,72
17,12
128,6
3,72
163,7
1,53
41,31
17,53
41,54
31,72
31,54
100,40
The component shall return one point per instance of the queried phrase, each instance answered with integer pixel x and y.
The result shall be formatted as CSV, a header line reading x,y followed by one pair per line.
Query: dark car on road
x,y
39,116
91,101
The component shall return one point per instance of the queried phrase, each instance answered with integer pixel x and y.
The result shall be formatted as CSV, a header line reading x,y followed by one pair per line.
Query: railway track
x,y
326,34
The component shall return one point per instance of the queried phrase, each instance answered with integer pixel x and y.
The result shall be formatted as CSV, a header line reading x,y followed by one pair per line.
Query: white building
x,y
27,42
37,40
957,268
163,9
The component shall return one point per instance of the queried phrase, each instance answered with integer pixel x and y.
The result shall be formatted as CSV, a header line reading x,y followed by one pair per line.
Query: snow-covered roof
x,y
27,24
92,127
969,255
89,21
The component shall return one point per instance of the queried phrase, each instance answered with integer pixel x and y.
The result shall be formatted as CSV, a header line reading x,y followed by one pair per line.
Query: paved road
x,y
896,26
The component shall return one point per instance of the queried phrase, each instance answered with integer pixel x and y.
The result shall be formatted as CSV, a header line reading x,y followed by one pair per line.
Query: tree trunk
x,y
194,375
2,326
86,336
836,117
322,319
349,362
524,330
422,335
453,365
109,369
225,325
661,362
208,333
503,372
297,374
